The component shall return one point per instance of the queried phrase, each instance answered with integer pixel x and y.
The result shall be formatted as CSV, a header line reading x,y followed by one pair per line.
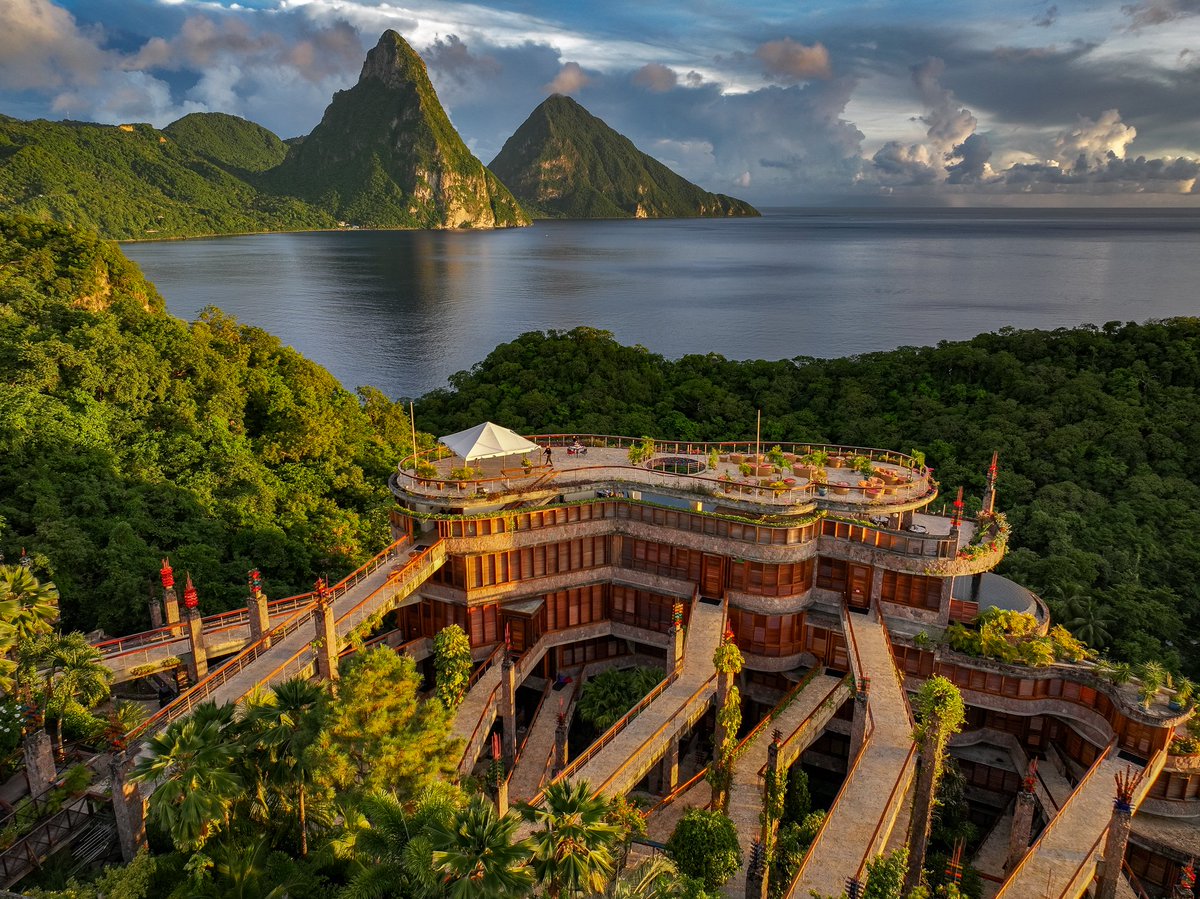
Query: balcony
x,y
743,479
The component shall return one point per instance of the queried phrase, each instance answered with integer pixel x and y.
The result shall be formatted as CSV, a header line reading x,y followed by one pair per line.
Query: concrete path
x,y
618,766
1062,862
861,819
477,710
819,699
533,765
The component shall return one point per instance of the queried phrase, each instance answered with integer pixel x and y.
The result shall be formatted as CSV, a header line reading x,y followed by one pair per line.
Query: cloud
x,y
655,77
1148,13
1091,143
569,80
789,61
42,46
1047,18
451,56
972,157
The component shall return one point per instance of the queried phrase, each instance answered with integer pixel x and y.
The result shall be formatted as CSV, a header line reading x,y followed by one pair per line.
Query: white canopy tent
x,y
487,441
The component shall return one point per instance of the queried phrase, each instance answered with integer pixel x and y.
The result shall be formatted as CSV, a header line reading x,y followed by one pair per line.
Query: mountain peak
x,y
391,61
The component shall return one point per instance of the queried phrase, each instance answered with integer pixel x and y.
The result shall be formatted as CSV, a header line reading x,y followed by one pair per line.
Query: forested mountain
x,y
130,181
1096,428
563,162
236,145
127,435
386,155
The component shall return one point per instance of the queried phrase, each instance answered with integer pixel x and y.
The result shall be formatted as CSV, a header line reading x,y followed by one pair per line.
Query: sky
x,y
1021,102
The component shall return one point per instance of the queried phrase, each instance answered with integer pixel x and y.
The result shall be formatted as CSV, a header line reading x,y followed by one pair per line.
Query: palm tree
x,y
476,853
191,765
391,845
283,728
1087,622
573,847
73,677
245,872
653,878
36,608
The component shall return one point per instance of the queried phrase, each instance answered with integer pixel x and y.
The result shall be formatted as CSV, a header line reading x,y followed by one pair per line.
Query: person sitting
x,y
577,449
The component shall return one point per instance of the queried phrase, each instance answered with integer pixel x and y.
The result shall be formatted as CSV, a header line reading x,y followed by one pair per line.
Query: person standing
x,y
549,460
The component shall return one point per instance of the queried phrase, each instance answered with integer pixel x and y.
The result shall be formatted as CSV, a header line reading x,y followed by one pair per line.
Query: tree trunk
x,y
55,729
303,825
922,814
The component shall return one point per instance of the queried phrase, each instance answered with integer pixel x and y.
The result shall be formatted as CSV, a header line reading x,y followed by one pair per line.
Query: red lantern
x,y
190,598
167,575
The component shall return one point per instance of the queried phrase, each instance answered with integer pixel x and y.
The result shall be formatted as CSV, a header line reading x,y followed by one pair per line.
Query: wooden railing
x,y
184,704
1049,828
671,721
512,483
903,778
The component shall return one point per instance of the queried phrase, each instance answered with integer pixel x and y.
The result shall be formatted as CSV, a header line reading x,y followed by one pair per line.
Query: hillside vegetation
x,y
1096,429
127,435
564,162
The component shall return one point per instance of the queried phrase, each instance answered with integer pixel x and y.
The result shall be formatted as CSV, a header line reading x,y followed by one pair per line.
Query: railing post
x,y
260,619
129,808
326,643
40,772
198,662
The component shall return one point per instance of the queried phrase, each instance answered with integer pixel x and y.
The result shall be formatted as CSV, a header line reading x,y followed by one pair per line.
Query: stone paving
x,y
1065,861
856,822
533,765
815,704
616,768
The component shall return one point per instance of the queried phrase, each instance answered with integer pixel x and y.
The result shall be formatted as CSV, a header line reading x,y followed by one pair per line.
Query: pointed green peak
x,y
393,62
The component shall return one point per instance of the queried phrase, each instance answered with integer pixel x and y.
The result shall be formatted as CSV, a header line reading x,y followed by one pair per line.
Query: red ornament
x,y
167,575
190,597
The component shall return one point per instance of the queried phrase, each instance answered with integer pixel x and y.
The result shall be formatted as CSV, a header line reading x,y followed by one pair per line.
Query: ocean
x,y
404,310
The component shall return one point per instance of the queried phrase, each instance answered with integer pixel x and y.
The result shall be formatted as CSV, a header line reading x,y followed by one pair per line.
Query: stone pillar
x,y
671,766
944,601
756,871
676,635
508,707
198,665
858,725
560,743
156,613
1114,848
326,643
1022,827
767,832
989,492
129,808
170,600
876,588
260,620
40,771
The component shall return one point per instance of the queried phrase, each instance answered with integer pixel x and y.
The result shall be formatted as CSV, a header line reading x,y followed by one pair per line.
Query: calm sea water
x,y
404,310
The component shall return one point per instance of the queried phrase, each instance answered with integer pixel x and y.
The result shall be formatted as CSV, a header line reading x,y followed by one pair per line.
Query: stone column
x,y
676,635
944,601
129,808
170,600
560,743
156,612
671,766
1117,839
260,619
876,589
858,725
989,492
198,665
1022,826
40,771
756,871
326,642
508,707
767,832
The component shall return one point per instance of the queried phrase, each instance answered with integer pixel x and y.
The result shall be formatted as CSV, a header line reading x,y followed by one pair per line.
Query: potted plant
x,y
726,480
837,461
1184,689
527,464
1153,677
819,478
714,459
775,455
745,468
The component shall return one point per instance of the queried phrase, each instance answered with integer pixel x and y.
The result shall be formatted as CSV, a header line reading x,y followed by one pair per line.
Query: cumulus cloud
x,y
451,56
42,46
789,61
1091,143
655,77
571,79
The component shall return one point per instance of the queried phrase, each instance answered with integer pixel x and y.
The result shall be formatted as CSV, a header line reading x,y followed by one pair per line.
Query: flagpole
x,y
412,420
758,439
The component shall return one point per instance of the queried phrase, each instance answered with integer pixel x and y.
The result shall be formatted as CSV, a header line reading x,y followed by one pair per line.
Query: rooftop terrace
x,y
741,474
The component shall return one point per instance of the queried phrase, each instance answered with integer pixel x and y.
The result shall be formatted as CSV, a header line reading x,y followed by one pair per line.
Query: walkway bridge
x,y
287,650
1061,863
865,811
